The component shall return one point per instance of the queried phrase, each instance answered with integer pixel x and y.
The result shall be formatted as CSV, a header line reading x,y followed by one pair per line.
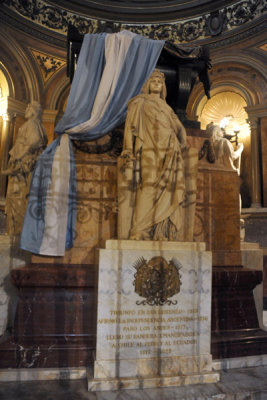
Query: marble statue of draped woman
x,y
30,142
153,164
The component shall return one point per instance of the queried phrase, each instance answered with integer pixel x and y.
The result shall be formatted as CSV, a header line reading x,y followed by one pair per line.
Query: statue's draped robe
x,y
226,155
31,139
30,142
156,199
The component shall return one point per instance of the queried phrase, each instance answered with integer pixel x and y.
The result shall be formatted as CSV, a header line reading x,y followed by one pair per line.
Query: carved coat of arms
x,y
157,280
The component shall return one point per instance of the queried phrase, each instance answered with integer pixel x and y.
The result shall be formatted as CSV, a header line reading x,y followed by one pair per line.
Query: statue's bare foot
x,y
136,237
162,239
141,236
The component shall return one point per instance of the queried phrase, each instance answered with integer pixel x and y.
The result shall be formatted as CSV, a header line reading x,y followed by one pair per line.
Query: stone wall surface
x,y
217,221
96,209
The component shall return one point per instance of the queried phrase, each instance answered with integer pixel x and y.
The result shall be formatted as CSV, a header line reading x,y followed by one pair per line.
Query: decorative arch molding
x,y
234,87
15,72
202,100
20,68
239,78
198,100
6,77
222,104
246,60
60,90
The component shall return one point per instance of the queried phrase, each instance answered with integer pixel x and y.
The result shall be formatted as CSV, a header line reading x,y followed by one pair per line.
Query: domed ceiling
x,y
142,11
179,21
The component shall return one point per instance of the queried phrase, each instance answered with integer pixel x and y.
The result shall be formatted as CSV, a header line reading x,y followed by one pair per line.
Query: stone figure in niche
x,y
30,142
156,170
224,151
227,156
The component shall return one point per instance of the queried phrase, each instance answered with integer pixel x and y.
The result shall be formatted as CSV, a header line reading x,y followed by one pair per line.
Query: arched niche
x,y
19,87
234,86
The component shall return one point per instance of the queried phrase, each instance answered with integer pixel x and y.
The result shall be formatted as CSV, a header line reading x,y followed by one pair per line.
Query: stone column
x,y
6,141
48,120
264,158
255,163
256,114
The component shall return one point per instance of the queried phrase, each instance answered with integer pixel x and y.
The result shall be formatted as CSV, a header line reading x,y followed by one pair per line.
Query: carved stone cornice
x,y
15,106
253,123
12,106
238,34
239,15
142,11
257,111
49,115
25,25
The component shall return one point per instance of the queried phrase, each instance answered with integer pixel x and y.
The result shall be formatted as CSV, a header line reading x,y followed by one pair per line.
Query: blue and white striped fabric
x,y
111,69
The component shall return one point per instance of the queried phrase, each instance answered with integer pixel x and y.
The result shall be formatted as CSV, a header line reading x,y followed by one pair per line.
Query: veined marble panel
x,y
153,245
239,384
239,362
147,335
154,366
258,297
150,382
41,374
252,255
44,374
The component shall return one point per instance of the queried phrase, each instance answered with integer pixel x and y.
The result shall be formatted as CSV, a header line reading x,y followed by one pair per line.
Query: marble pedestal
x,y
54,324
154,315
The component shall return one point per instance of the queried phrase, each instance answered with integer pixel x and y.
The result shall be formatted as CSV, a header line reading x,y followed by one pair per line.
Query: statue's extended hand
x,y
240,146
184,146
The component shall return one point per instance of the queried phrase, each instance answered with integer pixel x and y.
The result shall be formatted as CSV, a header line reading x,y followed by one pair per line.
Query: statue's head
x,y
156,76
214,131
33,110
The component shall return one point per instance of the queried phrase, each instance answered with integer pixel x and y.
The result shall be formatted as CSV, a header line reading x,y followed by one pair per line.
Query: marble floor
x,y
235,384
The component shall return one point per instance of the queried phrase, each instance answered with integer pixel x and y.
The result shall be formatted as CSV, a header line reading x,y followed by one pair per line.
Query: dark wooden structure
x,y
180,64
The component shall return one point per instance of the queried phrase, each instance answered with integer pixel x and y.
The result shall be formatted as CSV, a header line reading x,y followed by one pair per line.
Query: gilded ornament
x,y
157,281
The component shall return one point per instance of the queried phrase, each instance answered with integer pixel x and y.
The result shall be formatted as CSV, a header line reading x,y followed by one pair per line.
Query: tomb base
x,y
154,316
150,382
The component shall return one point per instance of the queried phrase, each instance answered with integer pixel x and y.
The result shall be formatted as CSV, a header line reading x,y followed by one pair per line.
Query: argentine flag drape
x,y
111,69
